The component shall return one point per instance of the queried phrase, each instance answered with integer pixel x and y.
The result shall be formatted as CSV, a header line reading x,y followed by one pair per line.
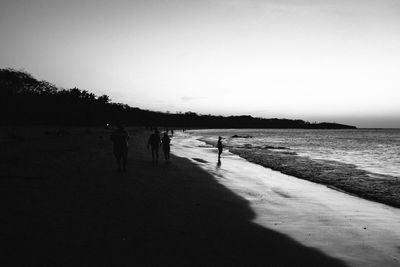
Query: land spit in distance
x,y
27,100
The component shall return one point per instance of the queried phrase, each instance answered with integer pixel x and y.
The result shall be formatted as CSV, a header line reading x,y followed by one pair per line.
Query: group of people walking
x,y
120,139
155,142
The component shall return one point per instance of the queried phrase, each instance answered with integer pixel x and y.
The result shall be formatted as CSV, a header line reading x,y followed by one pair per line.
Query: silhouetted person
x,y
219,145
120,139
154,142
165,142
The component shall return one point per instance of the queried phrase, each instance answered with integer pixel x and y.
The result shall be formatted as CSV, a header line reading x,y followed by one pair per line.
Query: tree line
x,y
26,100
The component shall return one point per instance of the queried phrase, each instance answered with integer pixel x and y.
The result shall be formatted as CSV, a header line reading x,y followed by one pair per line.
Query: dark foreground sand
x,y
63,204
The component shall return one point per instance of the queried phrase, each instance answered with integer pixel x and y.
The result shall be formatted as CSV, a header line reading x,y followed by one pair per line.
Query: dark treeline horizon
x,y
26,100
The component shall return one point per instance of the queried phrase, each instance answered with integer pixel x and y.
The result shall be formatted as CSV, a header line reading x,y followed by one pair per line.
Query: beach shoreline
x,y
65,204
355,230
343,175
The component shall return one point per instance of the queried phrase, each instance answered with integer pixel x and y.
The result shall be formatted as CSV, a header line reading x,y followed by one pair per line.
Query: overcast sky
x,y
317,60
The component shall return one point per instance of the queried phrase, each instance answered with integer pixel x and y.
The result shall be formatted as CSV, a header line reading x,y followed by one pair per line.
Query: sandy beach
x,y
64,204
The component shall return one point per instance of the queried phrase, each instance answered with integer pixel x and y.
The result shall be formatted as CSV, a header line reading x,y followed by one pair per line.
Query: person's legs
x,y
154,152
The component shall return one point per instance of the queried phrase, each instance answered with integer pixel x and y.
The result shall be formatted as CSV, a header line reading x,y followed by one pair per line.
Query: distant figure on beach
x,y
219,145
120,139
165,141
154,142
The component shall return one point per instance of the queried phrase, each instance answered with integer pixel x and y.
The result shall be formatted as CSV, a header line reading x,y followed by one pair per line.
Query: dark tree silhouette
x,y
27,100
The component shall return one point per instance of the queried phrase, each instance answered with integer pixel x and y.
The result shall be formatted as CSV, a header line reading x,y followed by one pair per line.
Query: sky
x,y
316,60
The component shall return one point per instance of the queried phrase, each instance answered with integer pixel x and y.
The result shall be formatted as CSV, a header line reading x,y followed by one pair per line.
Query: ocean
x,y
365,162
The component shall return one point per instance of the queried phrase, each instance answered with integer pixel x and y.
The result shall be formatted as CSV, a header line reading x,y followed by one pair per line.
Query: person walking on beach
x,y
165,142
154,142
120,139
219,145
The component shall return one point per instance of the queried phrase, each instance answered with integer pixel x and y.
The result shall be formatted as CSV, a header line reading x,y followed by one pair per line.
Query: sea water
x,y
365,162
373,150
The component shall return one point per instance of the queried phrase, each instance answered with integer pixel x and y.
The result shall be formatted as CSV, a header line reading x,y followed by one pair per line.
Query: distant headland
x,y
27,100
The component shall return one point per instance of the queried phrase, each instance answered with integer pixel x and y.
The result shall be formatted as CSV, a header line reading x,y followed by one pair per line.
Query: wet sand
x,y
357,231
64,204
347,177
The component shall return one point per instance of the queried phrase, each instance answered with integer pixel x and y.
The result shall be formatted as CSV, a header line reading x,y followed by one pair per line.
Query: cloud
x,y
192,98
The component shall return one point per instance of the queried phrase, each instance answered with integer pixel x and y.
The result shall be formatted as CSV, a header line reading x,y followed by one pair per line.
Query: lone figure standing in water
x,y
120,139
154,142
219,145
165,141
